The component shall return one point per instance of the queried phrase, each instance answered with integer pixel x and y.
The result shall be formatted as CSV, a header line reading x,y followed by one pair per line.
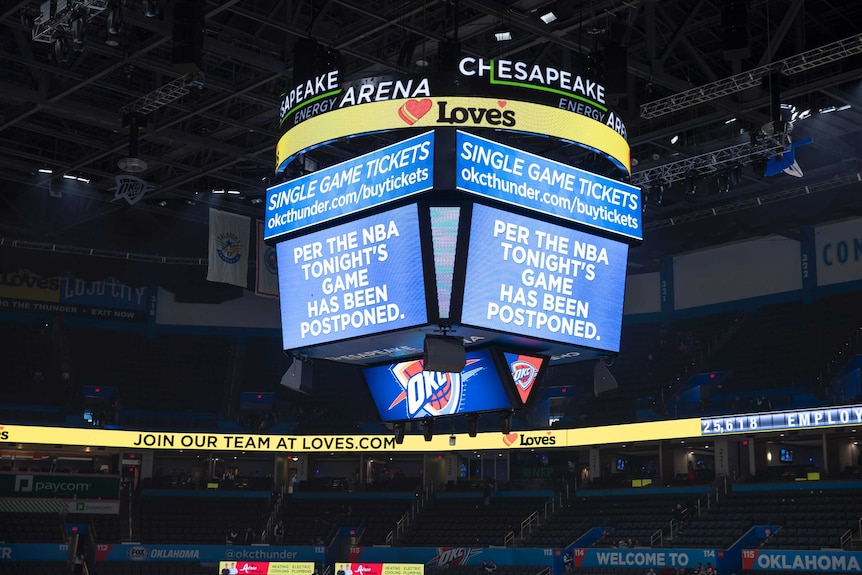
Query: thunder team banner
x,y
454,112
228,248
388,174
509,175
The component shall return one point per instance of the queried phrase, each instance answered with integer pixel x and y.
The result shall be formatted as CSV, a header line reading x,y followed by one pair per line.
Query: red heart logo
x,y
501,103
412,110
510,439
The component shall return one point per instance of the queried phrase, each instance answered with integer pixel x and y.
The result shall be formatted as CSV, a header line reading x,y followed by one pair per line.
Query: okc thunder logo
x,y
430,393
228,247
523,373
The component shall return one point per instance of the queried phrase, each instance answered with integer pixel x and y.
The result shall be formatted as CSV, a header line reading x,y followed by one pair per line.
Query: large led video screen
x,y
352,280
513,176
403,391
366,181
536,279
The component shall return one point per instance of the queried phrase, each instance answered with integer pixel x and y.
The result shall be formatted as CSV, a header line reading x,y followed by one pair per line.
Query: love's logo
x,y
412,110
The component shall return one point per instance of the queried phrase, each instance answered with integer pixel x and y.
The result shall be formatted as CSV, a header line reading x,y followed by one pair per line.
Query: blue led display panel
x,y
535,279
381,176
509,175
352,280
403,391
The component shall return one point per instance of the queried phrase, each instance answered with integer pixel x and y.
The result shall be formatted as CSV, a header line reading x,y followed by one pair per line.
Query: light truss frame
x,y
836,181
164,95
707,163
753,78
46,26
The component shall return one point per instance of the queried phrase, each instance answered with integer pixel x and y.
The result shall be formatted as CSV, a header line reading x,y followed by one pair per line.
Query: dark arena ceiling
x,y
61,106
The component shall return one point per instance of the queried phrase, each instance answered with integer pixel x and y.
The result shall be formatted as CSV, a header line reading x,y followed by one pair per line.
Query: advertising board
x,y
454,112
265,568
493,170
494,77
811,418
80,486
387,174
379,569
25,291
352,280
545,281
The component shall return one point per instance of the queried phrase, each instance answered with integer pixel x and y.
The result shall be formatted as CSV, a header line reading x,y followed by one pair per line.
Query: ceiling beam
x,y
681,31
774,42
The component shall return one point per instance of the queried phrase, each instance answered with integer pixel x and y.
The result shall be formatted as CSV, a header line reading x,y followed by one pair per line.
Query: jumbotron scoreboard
x,y
448,226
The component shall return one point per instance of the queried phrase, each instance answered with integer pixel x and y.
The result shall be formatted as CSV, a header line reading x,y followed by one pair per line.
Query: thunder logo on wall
x,y
404,391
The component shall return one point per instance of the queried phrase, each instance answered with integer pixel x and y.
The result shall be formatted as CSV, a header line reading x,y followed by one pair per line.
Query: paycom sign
x,y
61,486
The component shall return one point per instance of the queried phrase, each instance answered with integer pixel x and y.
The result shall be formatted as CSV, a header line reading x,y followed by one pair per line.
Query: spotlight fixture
x,y
257,200
690,184
163,203
77,28
472,424
675,139
452,440
722,183
506,421
150,8
759,167
827,110
734,175
220,191
504,36
548,17
730,121
233,192
62,48
114,25
69,177
46,171
398,429
428,428
85,180
804,114
842,108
